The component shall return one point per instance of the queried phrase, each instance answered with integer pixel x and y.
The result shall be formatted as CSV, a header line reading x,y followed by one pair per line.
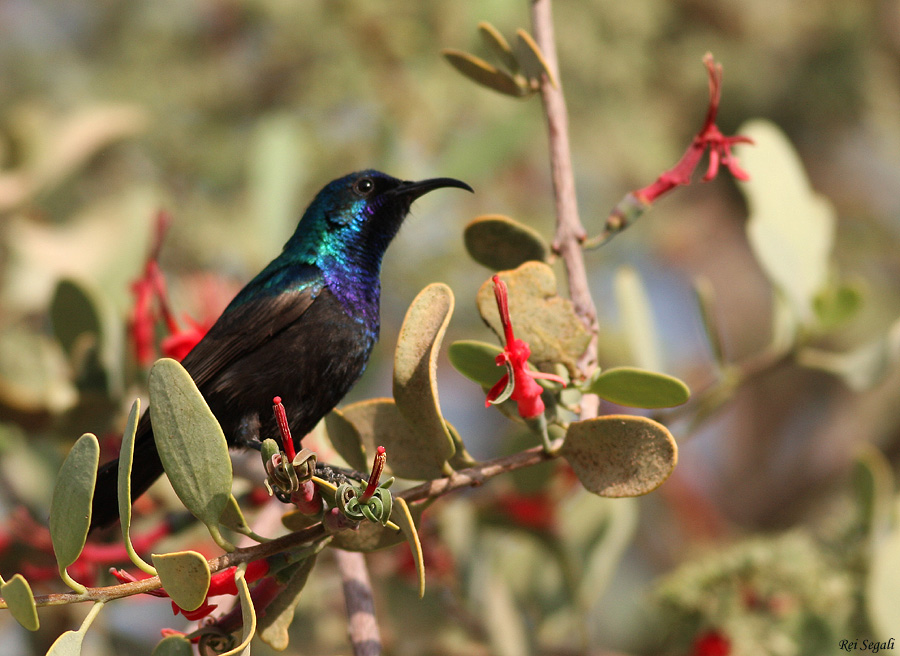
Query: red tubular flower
x,y
375,477
709,138
287,440
518,383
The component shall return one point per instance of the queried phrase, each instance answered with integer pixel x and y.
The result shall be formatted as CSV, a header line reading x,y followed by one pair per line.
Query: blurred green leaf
x,y
540,316
34,376
500,243
791,228
346,440
637,320
173,645
476,361
706,300
184,576
861,367
191,444
837,303
531,59
69,643
504,621
480,71
20,600
70,508
410,454
275,622
620,455
638,388
873,483
498,44
415,368
73,313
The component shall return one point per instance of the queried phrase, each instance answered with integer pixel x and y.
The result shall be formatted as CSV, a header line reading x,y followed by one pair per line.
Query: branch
x,y
362,626
570,232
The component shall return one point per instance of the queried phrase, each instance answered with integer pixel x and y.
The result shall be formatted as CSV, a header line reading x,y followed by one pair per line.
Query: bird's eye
x,y
364,186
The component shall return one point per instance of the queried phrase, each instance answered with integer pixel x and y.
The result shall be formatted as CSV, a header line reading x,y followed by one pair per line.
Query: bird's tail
x,y
146,469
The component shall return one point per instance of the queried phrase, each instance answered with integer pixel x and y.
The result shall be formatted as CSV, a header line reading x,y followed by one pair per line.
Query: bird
x,y
302,329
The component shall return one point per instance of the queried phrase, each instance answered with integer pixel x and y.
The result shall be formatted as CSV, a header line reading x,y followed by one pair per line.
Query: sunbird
x,y
302,329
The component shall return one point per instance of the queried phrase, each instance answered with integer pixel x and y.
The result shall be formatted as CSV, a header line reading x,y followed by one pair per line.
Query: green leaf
x,y
706,300
191,444
415,368
638,388
248,615
173,645
69,643
346,440
637,319
73,314
500,243
531,59
620,455
404,519
126,462
232,518
70,508
274,624
480,71
495,41
184,576
791,228
540,316
410,454
883,582
20,600
476,361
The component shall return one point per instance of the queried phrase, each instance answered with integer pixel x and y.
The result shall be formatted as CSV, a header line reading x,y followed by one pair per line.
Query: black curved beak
x,y
413,190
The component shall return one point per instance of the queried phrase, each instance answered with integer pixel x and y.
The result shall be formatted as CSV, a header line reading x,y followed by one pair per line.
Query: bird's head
x,y
357,216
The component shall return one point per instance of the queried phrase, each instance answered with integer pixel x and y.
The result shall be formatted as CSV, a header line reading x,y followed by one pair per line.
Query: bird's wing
x,y
246,325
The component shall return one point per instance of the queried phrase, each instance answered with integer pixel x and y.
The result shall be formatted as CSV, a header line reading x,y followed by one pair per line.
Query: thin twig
x,y
362,626
570,232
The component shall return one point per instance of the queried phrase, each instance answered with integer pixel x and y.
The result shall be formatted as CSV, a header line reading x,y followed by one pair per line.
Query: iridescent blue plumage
x,y
302,329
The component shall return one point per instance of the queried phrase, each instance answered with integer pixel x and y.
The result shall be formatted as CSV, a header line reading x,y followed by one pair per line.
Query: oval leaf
x,y
346,440
190,441
483,73
639,388
531,59
248,616
19,599
410,454
184,576
415,368
476,361
539,315
70,508
495,41
73,313
791,228
620,455
126,461
404,519
500,243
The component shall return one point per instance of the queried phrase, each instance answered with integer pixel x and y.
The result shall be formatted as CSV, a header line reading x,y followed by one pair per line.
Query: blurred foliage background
x,y
231,114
